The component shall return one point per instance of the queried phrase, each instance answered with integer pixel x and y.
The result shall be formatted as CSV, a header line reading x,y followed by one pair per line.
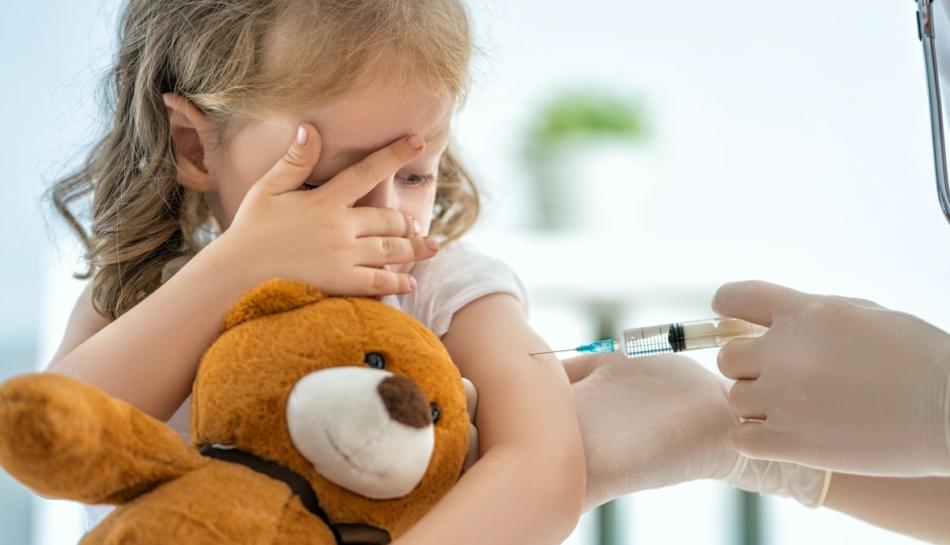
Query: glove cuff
x,y
806,485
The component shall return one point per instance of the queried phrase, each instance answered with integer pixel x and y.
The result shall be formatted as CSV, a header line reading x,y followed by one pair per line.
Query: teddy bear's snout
x,y
365,429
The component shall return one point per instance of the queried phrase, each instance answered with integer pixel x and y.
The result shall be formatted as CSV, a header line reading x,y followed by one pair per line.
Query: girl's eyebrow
x,y
349,155
356,154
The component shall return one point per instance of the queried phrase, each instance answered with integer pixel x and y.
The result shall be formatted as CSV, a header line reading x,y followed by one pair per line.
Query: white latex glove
x,y
837,383
664,420
648,423
660,421
807,485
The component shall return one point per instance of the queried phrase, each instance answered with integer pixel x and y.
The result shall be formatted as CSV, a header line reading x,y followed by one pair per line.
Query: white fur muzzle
x,y
339,422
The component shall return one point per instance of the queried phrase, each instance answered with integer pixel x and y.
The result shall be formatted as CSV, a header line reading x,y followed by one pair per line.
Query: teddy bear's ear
x,y
271,297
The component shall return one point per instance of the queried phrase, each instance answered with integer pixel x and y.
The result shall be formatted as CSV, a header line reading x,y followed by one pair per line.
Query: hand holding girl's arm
x,y
664,420
148,356
649,423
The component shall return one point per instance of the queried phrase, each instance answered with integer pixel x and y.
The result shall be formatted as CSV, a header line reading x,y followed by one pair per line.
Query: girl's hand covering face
x,y
317,236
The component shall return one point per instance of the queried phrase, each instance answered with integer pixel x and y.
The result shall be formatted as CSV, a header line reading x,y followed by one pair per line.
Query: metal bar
x,y
610,523
749,520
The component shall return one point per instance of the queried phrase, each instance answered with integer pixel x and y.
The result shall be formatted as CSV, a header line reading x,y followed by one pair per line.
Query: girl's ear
x,y
189,131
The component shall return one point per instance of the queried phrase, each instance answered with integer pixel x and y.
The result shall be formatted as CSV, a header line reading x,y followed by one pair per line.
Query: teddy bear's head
x,y
356,397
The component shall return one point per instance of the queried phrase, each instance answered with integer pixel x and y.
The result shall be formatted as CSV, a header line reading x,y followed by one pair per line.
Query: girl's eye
x,y
417,179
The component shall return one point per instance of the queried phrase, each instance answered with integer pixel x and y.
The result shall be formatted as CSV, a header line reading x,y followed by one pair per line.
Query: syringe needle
x,y
552,352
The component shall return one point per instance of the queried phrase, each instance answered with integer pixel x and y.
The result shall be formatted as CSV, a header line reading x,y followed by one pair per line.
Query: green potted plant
x,y
576,140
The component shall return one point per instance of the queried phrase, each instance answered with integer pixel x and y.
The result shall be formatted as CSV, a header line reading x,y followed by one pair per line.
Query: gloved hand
x,y
837,383
649,423
664,420
660,421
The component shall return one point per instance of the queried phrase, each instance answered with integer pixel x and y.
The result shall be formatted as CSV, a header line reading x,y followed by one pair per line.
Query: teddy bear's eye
x,y
436,413
375,360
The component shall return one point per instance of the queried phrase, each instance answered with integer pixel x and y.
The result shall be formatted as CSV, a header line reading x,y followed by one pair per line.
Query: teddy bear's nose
x,y
405,402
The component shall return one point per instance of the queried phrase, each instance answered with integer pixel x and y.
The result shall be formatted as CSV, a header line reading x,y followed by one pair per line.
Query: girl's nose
x,y
381,196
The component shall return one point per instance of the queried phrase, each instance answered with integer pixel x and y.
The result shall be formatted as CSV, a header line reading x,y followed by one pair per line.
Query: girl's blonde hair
x,y
213,53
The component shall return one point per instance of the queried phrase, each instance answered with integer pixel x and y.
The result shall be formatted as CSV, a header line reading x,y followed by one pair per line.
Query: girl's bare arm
x,y
148,356
528,486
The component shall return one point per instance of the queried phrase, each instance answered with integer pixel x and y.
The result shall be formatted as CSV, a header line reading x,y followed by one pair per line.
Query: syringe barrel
x,y
677,337
715,332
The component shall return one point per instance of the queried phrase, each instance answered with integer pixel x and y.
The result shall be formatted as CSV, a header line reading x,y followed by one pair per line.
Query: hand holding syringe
x,y
668,338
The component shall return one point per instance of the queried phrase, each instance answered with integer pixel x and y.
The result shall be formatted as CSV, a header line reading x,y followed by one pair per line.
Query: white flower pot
x,y
593,185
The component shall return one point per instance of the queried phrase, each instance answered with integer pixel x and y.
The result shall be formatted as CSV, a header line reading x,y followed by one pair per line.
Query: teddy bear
x,y
313,418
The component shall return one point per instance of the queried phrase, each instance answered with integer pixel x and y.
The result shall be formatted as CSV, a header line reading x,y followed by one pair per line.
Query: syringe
x,y
669,338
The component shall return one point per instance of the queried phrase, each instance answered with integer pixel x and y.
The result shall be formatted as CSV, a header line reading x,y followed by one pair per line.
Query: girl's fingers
x,y
383,222
296,165
471,398
358,180
376,281
379,251
471,404
755,301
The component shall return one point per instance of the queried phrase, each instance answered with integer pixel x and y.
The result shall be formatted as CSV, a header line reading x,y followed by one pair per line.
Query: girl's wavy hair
x,y
213,53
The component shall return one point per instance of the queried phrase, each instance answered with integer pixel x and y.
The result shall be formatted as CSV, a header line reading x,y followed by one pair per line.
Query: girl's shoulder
x,y
456,276
460,257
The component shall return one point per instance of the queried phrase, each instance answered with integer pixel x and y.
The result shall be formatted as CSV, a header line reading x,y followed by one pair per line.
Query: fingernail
x,y
412,283
431,244
302,136
416,228
414,142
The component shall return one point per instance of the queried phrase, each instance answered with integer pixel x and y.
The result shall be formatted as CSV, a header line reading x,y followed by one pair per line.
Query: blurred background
x,y
633,156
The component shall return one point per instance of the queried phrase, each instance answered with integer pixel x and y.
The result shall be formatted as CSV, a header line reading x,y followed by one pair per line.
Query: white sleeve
x,y
455,277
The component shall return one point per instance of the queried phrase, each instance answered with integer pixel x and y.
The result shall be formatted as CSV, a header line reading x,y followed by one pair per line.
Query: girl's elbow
x,y
577,493
568,492
569,506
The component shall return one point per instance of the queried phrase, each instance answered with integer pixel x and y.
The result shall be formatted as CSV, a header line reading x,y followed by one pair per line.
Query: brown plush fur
x,y
66,439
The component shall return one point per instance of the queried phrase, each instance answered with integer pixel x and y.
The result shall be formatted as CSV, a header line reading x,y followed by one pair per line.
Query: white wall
x,y
798,125
46,108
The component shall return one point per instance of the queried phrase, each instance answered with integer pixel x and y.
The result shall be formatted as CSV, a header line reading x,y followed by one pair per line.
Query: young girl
x,y
313,136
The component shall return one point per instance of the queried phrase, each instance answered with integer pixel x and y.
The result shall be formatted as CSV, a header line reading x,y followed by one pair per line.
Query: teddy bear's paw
x,y
46,430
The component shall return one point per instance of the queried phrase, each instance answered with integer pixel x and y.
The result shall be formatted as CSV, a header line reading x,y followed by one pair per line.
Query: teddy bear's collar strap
x,y
298,485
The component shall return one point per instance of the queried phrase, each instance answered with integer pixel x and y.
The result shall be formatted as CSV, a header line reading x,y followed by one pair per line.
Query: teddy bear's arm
x,y
66,439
